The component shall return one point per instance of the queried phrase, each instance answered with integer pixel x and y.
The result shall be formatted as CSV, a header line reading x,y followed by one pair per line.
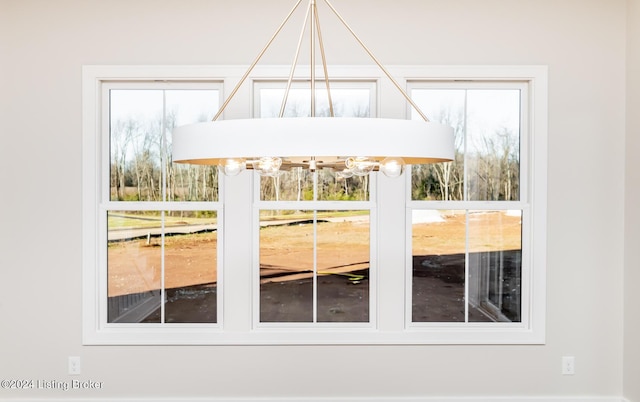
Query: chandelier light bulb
x,y
267,166
233,166
344,174
360,166
392,167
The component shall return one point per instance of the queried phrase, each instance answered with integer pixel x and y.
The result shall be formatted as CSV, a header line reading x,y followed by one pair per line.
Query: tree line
x,y
485,165
488,169
138,149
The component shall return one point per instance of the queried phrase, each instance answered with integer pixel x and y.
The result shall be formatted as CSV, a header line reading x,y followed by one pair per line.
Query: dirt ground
x,y
286,262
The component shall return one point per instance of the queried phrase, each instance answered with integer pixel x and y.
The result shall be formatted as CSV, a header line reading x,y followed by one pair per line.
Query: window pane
x,y
190,266
293,185
486,125
493,144
133,266
495,265
136,145
441,181
190,182
138,151
333,187
494,271
297,184
352,102
438,238
286,266
343,266
288,272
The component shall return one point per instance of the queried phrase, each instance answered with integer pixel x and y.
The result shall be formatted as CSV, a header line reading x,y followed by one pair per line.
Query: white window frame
x,y
95,213
532,203
315,205
237,256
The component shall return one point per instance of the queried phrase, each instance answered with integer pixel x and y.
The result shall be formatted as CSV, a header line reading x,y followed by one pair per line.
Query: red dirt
x,y
134,266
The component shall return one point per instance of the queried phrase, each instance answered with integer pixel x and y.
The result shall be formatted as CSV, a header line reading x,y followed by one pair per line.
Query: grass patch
x,y
129,220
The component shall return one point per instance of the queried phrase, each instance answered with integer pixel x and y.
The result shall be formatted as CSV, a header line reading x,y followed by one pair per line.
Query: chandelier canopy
x,y
349,145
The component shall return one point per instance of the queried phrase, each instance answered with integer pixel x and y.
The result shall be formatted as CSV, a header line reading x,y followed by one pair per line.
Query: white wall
x,y
632,213
43,46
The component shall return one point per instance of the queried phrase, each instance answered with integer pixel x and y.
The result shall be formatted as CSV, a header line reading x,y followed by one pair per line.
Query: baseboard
x,y
339,399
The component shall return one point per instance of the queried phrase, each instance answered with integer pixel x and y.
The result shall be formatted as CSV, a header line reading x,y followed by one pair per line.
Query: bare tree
x,y
443,181
495,173
122,133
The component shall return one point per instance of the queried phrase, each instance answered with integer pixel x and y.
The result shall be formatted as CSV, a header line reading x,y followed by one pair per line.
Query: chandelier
x,y
348,145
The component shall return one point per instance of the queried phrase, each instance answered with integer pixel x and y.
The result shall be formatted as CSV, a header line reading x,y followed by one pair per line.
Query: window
x,y
467,215
447,253
161,263
315,228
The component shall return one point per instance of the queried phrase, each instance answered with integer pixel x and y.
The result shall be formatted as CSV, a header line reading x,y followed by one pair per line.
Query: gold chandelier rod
x,y
324,61
402,91
294,63
315,26
312,54
246,74
313,10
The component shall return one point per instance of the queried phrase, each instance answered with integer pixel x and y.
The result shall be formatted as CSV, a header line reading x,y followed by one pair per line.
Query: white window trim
x,y
532,203
238,328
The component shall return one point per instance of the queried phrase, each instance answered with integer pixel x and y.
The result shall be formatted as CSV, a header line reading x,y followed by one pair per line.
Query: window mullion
x,y
465,160
314,301
163,192
315,266
238,252
466,266
163,293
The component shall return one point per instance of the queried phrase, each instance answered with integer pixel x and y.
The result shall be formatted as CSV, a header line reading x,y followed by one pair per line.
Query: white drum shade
x,y
327,139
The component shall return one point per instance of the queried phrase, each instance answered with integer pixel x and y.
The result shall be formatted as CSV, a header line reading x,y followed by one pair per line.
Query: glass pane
x,y
332,187
297,184
190,266
491,150
343,266
135,143
495,265
190,182
352,102
293,185
133,266
438,239
137,148
286,266
493,144
441,181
